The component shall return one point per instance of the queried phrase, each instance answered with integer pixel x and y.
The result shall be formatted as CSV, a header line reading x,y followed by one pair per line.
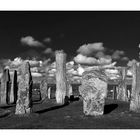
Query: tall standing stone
x,y
135,95
14,88
24,101
8,82
61,82
43,89
122,93
93,91
5,87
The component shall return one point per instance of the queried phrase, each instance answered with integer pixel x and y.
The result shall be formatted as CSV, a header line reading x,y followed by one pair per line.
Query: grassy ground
x,y
49,115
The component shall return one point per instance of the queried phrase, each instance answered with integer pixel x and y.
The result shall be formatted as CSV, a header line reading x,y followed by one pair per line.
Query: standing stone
x,y
53,91
24,102
14,88
5,87
93,91
115,92
69,92
135,95
8,83
61,82
49,93
43,89
122,94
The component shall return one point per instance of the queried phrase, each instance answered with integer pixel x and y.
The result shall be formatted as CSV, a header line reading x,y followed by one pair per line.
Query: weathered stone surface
x,y
43,89
14,88
53,92
61,81
49,93
93,91
5,87
135,95
24,102
69,88
122,93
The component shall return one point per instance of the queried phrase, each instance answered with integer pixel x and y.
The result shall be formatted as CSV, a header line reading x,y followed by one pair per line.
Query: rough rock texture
x,y
61,81
43,89
93,91
122,93
52,92
49,93
69,88
14,88
24,102
135,95
5,87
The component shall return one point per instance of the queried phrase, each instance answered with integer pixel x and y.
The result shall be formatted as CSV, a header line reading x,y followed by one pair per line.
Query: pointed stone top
x,y
59,52
94,74
25,68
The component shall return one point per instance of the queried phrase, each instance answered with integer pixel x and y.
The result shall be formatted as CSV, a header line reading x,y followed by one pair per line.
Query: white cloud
x,y
5,62
36,74
89,49
117,54
30,41
130,63
16,62
48,51
105,61
125,58
47,40
34,63
139,46
46,62
129,72
99,54
81,59
114,71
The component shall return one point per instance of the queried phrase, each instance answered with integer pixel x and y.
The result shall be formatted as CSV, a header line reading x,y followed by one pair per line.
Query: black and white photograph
x,y
69,69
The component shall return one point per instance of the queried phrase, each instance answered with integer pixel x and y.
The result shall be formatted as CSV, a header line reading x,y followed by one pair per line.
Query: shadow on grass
x,y
4,113
7,106
72,98
109,108
50,109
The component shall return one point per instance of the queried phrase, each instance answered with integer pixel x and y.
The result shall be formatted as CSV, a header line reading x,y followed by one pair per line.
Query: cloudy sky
x,y
100,37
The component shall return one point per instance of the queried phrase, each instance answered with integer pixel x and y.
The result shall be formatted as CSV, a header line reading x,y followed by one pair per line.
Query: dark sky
x,y
68,30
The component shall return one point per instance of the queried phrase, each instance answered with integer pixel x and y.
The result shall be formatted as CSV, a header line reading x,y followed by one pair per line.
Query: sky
x,y
39,34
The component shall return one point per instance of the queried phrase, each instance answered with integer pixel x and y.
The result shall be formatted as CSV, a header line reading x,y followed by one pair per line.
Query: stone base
x,y
93,107
21,110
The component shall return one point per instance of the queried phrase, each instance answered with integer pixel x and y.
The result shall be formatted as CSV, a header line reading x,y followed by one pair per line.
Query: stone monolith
x,y
93,91
14,88
5,87
43,89
49,93
61,81
135,95
24,100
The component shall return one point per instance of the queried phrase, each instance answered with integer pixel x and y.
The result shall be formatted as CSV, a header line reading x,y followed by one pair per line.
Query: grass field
x,y
49,115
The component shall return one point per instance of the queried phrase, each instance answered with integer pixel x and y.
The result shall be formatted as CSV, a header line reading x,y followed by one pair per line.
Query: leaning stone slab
x,y
5,87
122,87
93,91
24,102
135,95
43,89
